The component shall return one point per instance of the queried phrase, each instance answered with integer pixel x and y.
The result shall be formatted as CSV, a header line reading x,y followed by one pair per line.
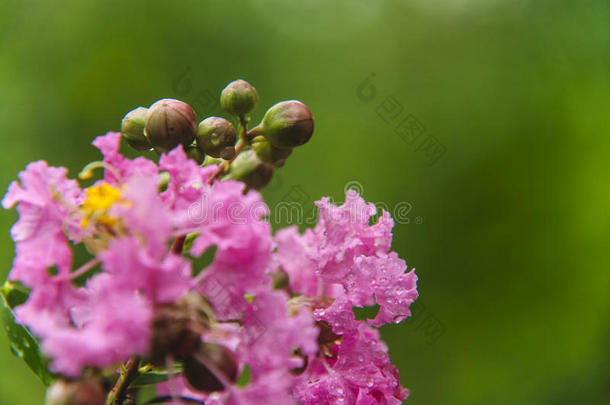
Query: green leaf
x,y
22,343
149,375
245,377
15,293
188,242
203,261
153,377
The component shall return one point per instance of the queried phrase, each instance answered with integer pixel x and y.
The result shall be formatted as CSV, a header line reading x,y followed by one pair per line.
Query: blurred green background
x,y
508,229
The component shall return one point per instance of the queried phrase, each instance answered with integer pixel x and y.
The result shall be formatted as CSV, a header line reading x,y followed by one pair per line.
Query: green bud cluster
x,y
247,156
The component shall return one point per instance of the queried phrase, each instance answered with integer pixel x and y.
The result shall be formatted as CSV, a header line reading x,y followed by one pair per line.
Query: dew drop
x,y
399,318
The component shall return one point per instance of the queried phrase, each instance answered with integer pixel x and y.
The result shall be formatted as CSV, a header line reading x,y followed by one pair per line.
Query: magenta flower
x,y
184,277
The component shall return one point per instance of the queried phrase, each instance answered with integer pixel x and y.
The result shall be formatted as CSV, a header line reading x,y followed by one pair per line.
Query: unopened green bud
x,y
132,129
201,370
269,153
250,169
239,98
170,123
194,153
216,137
84,392
286,125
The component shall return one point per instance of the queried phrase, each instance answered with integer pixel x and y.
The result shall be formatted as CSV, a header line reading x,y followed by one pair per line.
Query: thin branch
x,y
118,392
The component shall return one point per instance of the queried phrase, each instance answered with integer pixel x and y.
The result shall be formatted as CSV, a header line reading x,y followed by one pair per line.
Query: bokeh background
x,y
500,171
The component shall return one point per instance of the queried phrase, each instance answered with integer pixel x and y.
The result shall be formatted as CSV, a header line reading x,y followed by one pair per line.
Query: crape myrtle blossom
x,y
347,260
268,319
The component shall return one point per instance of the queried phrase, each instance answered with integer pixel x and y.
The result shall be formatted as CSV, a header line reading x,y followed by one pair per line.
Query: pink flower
x,y
295,257
121,166
233,223
271,335
186,180
265,343
346,259
144,214
134,270
302,344
45,198
360,373
344,250
117,326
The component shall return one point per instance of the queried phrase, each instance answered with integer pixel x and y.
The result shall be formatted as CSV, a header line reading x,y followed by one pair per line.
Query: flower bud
x,y
286,125
269,153
170,123
194,153
239,98
132,129
201,370
248,168
216,137
84,392
177,328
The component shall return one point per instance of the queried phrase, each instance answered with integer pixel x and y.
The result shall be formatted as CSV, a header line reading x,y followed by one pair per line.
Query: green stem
x,y
119,391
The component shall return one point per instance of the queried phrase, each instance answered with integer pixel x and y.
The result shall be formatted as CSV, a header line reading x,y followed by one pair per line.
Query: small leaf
x,y
188,242
22,343
245,377
203,261
15,293
153,377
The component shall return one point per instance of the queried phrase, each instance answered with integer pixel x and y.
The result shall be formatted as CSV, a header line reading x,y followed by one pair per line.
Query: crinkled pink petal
x,y
294,258
133,269
271,335
144,213
119,327
109,146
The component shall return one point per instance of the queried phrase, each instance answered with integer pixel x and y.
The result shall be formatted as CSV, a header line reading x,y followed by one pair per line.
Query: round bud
x,y
218,357
239,98
286,125
216,137
177,329
132,129
194,153
248,168
269,153
170,123
84,392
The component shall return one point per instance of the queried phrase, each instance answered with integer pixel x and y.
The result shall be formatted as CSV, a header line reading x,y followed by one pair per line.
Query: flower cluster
x,y
228,312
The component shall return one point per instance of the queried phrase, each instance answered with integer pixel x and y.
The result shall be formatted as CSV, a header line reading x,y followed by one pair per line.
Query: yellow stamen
x,y
98,202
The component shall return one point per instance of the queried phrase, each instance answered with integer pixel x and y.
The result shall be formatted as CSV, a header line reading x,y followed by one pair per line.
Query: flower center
x,y
99,200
